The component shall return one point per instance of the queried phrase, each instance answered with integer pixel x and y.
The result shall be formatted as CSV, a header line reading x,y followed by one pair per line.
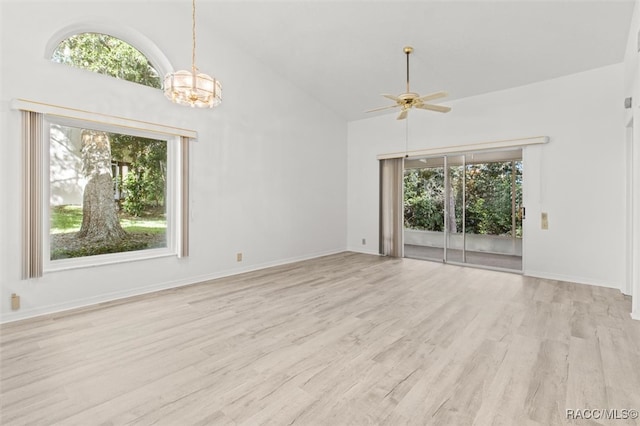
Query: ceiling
x,y
346,53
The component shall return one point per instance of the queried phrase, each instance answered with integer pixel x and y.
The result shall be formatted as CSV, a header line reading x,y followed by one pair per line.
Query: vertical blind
x,y
391,210
183,249
32,194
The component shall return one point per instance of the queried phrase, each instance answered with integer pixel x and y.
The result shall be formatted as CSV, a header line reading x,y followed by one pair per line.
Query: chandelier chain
x,y
193,34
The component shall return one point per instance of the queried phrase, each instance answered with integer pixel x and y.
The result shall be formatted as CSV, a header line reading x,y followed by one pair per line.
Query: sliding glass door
x,y
465,209
424,193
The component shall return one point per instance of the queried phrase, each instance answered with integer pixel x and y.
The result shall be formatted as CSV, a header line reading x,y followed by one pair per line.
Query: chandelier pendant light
x,y
193,88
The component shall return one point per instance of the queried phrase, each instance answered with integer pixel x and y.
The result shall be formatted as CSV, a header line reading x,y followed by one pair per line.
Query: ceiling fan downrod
x,y
408,50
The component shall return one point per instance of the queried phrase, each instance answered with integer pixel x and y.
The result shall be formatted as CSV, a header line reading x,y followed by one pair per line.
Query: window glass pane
x,y
492,207
108,55
424,199
108,192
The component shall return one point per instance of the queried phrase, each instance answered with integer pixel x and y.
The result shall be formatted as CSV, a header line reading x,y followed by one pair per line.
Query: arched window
x,y
108,55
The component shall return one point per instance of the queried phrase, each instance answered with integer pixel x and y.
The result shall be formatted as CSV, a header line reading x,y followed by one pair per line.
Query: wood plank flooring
x,y
347,339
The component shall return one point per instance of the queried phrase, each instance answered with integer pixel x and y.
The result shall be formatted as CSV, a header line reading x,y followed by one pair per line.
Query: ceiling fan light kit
x,y
406,101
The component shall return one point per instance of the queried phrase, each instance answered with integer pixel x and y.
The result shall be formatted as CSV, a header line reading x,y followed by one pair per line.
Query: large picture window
x,y
108,192
100,189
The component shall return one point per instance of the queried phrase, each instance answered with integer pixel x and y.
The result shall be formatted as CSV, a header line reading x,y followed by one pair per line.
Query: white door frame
x,y
633,176
627,288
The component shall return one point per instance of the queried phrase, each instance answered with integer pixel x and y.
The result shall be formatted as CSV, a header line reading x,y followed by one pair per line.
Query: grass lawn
x,y
65,219
144,232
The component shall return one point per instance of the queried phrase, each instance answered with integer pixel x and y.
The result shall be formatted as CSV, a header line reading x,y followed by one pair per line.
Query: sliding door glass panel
x,y
424,197
454,209
493,201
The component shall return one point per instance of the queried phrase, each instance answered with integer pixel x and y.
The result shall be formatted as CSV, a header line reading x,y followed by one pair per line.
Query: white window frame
x,y
172,198
115,29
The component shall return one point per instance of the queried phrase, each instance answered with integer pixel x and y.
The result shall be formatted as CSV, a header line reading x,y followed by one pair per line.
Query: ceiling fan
x,y
406,101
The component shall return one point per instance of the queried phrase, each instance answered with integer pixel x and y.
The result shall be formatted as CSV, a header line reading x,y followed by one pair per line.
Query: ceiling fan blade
x,y
433,96
438,108
393,98
381,108
403,114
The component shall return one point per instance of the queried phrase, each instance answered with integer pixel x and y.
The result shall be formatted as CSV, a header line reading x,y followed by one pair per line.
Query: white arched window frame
x,y
129,35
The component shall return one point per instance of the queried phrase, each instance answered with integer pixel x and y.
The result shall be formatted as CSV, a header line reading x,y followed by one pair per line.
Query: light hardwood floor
x,y
347,339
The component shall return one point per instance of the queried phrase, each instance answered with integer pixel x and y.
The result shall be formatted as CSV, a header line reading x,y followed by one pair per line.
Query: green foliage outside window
x,y
108,55
145,183
488,198
424,199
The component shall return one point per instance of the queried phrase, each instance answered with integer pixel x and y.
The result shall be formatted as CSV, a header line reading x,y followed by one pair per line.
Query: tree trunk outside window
x,y
99,215
453,227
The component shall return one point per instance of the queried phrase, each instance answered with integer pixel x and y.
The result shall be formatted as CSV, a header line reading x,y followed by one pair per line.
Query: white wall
x,y
268,170
578,178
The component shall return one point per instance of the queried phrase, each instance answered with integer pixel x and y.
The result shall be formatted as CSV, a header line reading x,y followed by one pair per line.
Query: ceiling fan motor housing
x,y
409,97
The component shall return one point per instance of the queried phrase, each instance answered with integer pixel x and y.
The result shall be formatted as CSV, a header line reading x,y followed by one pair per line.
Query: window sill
x,y
107,259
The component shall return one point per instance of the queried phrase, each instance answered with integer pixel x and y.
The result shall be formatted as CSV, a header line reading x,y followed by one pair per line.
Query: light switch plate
x,y
544,220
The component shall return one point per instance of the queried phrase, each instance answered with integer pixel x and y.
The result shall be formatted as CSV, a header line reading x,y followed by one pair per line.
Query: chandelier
x,y
193,88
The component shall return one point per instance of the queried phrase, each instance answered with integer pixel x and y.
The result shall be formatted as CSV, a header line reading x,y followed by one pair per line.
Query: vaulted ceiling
x,y
346,53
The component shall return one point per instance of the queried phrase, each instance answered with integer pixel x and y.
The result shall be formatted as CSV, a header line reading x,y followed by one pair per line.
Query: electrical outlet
x,y
544,220
364,241
15,302
238,257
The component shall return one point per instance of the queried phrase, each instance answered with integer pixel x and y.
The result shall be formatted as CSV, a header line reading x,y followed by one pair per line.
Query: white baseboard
x,y
363,251
570,278
139,291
